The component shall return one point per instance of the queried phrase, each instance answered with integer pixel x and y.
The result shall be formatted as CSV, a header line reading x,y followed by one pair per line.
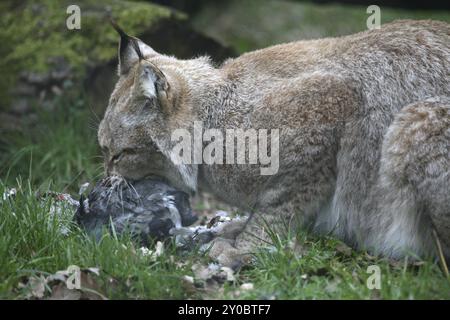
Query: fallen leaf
x,y
90,287
210,278
54,286
37,286
61,292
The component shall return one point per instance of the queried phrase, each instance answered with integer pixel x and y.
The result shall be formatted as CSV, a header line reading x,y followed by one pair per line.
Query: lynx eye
x,y
116,158
119,155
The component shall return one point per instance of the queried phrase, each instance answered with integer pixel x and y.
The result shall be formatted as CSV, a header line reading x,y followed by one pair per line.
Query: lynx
x,y
364,135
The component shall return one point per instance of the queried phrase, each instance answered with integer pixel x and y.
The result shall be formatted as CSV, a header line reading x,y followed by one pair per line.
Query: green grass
x,y
321,269
31,244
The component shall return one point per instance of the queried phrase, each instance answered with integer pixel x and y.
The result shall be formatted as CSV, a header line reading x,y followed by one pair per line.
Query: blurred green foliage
x,y
34,32
59,150
252,24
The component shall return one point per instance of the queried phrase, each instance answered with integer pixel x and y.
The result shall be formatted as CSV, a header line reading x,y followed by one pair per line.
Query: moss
x,y
34,33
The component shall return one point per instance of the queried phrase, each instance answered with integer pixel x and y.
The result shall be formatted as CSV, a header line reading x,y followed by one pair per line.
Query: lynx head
x,y
155,94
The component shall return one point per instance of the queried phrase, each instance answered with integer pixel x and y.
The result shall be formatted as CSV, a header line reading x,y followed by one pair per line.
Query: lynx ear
x,y
152,82
131,50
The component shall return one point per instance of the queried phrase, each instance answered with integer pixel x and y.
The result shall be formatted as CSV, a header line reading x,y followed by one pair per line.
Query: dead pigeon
x,y
148,209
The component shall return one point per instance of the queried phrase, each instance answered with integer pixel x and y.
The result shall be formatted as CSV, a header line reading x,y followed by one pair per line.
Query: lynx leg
x,y
235,249
222,248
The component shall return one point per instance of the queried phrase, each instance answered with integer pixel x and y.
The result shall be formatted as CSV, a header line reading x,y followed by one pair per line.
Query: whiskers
x,y
96,118
93,125
135,191
115,185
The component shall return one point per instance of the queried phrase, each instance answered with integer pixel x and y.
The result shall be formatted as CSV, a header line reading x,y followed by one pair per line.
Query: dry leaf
x,y
37,286
90,287
57,286
61,292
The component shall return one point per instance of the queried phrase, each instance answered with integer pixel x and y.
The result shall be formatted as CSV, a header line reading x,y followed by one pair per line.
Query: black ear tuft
x,y
118,29
135,44
129,48
125,39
